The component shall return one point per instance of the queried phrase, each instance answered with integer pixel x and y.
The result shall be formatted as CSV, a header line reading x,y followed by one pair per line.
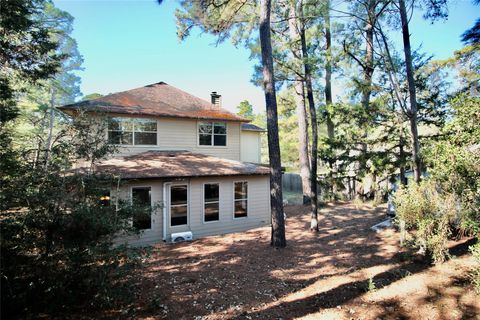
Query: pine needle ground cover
x,y
346,271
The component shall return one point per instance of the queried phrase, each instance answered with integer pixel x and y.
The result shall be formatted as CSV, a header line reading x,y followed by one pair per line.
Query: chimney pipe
x,y
216,99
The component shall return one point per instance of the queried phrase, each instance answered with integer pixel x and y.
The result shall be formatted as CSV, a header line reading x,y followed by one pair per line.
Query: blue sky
x,y
128,44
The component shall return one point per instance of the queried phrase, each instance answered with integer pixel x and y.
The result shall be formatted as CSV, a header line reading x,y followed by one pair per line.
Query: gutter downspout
x,y
165,202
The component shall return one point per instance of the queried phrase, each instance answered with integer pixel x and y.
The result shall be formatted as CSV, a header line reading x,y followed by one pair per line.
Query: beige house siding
x,y
153,235
258,208
250,145
182,134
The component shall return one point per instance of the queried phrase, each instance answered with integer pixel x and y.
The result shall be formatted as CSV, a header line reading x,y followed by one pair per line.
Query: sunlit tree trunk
x,y
276,202
328,71
412,92
314,126
368,64
403,178
328,87
399,97
304,162
368,69
51,123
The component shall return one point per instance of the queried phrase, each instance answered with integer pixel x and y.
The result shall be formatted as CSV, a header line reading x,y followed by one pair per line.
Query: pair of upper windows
x,y
132,131
138,131
212,134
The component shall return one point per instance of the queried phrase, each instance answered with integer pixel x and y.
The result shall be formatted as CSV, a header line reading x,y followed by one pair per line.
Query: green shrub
x,y
57,251
371,285
449,199
430,214
56,232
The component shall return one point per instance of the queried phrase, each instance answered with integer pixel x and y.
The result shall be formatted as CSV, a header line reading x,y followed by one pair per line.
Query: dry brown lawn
x,y
346,271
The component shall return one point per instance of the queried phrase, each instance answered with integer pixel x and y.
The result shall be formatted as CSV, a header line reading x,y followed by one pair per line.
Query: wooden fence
x,y
292,182
346,186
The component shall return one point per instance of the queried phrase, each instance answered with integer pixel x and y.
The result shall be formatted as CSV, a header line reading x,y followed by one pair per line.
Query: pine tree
x,y
245,109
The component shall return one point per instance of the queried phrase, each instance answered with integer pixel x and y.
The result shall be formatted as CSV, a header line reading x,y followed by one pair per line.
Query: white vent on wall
x,y
182,236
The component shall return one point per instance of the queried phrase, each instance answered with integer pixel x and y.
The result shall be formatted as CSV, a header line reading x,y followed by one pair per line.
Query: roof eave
x,y
74,110
254,130
195,176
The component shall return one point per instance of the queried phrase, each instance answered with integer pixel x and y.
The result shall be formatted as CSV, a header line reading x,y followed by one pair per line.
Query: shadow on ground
x,y
239,276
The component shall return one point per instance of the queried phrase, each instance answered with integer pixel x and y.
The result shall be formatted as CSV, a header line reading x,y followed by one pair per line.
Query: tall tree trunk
x,y
300,107
51,123
314,126
403,178
375,188
368,64
387,57
368,69
328,72
36,158
276,201
328,88
412,92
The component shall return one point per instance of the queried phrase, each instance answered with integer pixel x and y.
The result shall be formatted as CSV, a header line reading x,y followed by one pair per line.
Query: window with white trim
x,y
178,205
142,203
240,202
211,202
132,131
212,133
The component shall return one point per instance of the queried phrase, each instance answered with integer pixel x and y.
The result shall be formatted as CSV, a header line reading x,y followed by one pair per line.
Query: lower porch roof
x,y
176,164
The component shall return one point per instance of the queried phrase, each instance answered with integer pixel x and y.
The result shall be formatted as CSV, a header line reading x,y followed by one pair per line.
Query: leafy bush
x,y
454,162
57,252
56,234
430,214
450,197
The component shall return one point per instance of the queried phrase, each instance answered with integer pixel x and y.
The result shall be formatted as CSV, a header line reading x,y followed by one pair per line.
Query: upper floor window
x,y
132,131
212,133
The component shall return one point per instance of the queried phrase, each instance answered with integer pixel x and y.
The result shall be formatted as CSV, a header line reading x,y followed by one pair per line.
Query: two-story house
x,y
196,159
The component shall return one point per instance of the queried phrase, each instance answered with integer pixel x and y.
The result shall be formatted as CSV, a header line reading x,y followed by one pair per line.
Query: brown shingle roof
x,y
175,164
158,99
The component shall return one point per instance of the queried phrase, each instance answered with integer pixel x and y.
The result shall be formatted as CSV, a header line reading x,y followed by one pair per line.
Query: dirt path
x,y
345,271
